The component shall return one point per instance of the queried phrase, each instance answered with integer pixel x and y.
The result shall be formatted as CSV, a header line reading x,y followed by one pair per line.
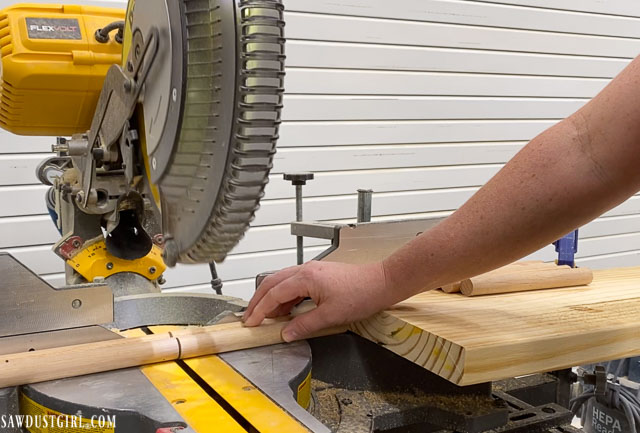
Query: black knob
x,y
298,178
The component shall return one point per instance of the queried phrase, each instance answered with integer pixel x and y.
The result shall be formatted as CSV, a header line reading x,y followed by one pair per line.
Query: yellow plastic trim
x,y
258,409
251,403
95,261
195,406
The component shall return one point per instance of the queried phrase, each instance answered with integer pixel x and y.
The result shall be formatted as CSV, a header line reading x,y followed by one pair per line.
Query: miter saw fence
x,y
173,119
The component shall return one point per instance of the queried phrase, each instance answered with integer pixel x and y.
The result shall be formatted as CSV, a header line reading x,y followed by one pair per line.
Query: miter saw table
x,y
341,383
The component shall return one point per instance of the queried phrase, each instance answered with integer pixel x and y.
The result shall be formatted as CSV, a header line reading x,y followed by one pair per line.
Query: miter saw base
x,y
356,387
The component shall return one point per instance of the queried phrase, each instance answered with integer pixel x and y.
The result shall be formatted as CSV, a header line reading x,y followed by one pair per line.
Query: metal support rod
x,y
364,205
299,180
216,282
299,239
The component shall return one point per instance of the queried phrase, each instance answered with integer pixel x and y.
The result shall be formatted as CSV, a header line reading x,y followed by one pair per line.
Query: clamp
x,y
567,247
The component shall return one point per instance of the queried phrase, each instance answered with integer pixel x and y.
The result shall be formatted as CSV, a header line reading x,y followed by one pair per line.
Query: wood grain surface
x,y
470,340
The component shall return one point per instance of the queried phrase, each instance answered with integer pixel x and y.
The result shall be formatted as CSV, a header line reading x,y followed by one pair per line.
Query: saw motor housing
x,y
170,126
53,68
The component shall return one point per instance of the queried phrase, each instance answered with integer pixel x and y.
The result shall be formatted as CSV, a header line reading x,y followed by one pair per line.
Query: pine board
x,y
474,340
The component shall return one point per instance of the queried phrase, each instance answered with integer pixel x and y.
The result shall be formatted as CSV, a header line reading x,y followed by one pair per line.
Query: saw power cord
x,y
102,35
616,396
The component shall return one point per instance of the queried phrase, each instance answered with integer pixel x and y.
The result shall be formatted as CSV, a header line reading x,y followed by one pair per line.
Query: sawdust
x,y
327,407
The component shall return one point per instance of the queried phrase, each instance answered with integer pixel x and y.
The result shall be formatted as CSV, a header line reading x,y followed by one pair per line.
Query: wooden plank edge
x,y
438,355
482,364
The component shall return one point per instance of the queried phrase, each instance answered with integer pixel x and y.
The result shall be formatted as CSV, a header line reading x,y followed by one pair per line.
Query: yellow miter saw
x,y
170,112
186,98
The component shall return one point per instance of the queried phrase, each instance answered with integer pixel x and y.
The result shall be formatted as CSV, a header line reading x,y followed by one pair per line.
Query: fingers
x,y
283,293
267,284
306,324
284,309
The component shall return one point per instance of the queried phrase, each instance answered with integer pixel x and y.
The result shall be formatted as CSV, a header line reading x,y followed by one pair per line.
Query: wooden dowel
x,y
61,362
516,266
549,277
451,288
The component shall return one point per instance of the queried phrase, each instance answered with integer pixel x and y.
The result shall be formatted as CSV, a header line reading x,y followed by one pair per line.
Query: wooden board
x,y
474,340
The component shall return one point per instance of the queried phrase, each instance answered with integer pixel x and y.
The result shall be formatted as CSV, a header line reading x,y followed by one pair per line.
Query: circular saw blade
x,y
211,124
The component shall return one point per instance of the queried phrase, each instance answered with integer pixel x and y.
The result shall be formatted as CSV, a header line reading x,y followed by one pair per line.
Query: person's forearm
x,y
561,180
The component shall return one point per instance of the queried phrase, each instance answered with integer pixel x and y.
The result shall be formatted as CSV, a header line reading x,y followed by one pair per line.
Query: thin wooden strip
x,y
59,363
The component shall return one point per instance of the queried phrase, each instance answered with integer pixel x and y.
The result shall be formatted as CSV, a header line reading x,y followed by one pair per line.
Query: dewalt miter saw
x,y
168,117
173,110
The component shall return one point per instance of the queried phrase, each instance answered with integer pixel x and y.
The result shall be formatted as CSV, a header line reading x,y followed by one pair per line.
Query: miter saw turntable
x,y
170,113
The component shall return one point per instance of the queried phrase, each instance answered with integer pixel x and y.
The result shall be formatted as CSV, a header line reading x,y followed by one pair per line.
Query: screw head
x,y
128,85
76,303
152,270
109,266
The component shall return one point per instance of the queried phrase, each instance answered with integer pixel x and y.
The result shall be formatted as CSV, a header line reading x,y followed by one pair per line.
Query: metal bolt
x,y
109,266
76,303
80,196
174,94
76,243
161,280
154,163
128,85
152,270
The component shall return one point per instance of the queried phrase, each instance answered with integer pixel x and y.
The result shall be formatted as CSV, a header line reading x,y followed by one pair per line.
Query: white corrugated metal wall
x,y
420,100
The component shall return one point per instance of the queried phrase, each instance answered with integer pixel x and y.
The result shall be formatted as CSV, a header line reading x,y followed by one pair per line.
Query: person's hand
x,y
343,294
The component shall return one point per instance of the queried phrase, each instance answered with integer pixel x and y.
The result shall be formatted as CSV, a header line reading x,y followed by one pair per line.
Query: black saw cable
x,y
102,35
616,397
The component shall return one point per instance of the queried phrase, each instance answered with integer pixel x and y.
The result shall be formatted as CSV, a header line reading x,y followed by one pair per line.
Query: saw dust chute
x,y
178,151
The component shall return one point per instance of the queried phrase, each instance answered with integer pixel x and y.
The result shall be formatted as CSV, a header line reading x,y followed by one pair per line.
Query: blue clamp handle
x,y
567,247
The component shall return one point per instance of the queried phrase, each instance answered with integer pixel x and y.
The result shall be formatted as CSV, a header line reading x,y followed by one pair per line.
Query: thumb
x,y
305,325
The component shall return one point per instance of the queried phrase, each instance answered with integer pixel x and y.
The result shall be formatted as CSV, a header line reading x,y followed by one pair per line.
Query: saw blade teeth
x,y
257,104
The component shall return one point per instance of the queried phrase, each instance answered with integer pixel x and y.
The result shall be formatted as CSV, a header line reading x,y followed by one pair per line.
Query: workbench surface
x,y
480,339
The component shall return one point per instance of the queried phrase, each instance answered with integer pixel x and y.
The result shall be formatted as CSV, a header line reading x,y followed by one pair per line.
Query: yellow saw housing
x,y
53,68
